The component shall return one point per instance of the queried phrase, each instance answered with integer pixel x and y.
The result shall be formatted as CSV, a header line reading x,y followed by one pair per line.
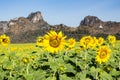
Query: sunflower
x,y
25,60
94,43
54,42
100,41
103,54
39,41
71,43
86,42
111,39
4,40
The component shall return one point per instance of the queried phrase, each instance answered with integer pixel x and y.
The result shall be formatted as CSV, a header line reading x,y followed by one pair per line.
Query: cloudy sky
x,y
68,12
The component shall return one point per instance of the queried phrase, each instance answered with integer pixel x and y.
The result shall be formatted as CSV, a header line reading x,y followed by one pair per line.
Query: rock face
x,y
90,21
23,29
97,26
3,26
35,17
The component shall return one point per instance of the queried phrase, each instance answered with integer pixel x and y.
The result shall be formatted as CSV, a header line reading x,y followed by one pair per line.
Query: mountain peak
x,y
90,21
35,17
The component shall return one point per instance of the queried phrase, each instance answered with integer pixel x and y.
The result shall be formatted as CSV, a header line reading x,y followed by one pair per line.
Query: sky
x,y
68,12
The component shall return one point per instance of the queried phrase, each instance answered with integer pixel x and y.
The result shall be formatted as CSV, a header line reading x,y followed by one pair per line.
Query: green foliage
x,y
65,65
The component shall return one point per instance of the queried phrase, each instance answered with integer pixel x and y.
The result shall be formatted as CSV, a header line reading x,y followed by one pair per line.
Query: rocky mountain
x,y
91,21
95,26
35,17
3,26
27,29
21,29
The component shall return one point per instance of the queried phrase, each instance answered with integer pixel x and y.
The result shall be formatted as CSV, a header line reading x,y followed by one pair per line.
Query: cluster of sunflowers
x,y
56,42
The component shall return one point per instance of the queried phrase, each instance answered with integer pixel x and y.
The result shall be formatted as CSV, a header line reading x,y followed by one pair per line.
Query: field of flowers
x,y
54,57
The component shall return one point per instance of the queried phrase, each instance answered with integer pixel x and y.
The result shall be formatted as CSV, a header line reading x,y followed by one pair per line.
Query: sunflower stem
x,y
54,75
65,52
96,76
27,69
10,74
86,54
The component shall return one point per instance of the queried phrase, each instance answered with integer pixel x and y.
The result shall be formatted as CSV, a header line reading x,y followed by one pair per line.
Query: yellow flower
x,y
77,50
100,41
71,43
103,54
111,39
108,68
62,67
4,40
94,43
54,42
86,42
39,41
25,60
32,58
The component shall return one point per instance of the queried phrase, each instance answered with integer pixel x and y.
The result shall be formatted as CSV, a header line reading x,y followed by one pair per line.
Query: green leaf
x,y
114,72
10,78
69,68
54,66
105,76
39,75
81,76
0,77
49,78
64,77
94,72
29,77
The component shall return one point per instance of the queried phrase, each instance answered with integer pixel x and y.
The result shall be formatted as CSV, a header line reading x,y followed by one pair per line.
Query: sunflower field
x,y
55,57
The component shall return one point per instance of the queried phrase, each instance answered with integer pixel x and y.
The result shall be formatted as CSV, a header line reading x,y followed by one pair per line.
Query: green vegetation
x,y
55,58
28,62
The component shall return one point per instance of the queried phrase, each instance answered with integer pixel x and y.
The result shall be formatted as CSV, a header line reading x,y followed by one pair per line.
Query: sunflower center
x,y
99,41
87,40
111,39
54,43
72,42
103,55
40,40
5,40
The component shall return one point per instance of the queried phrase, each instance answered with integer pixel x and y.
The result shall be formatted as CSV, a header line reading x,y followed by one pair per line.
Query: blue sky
x,y
68,12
